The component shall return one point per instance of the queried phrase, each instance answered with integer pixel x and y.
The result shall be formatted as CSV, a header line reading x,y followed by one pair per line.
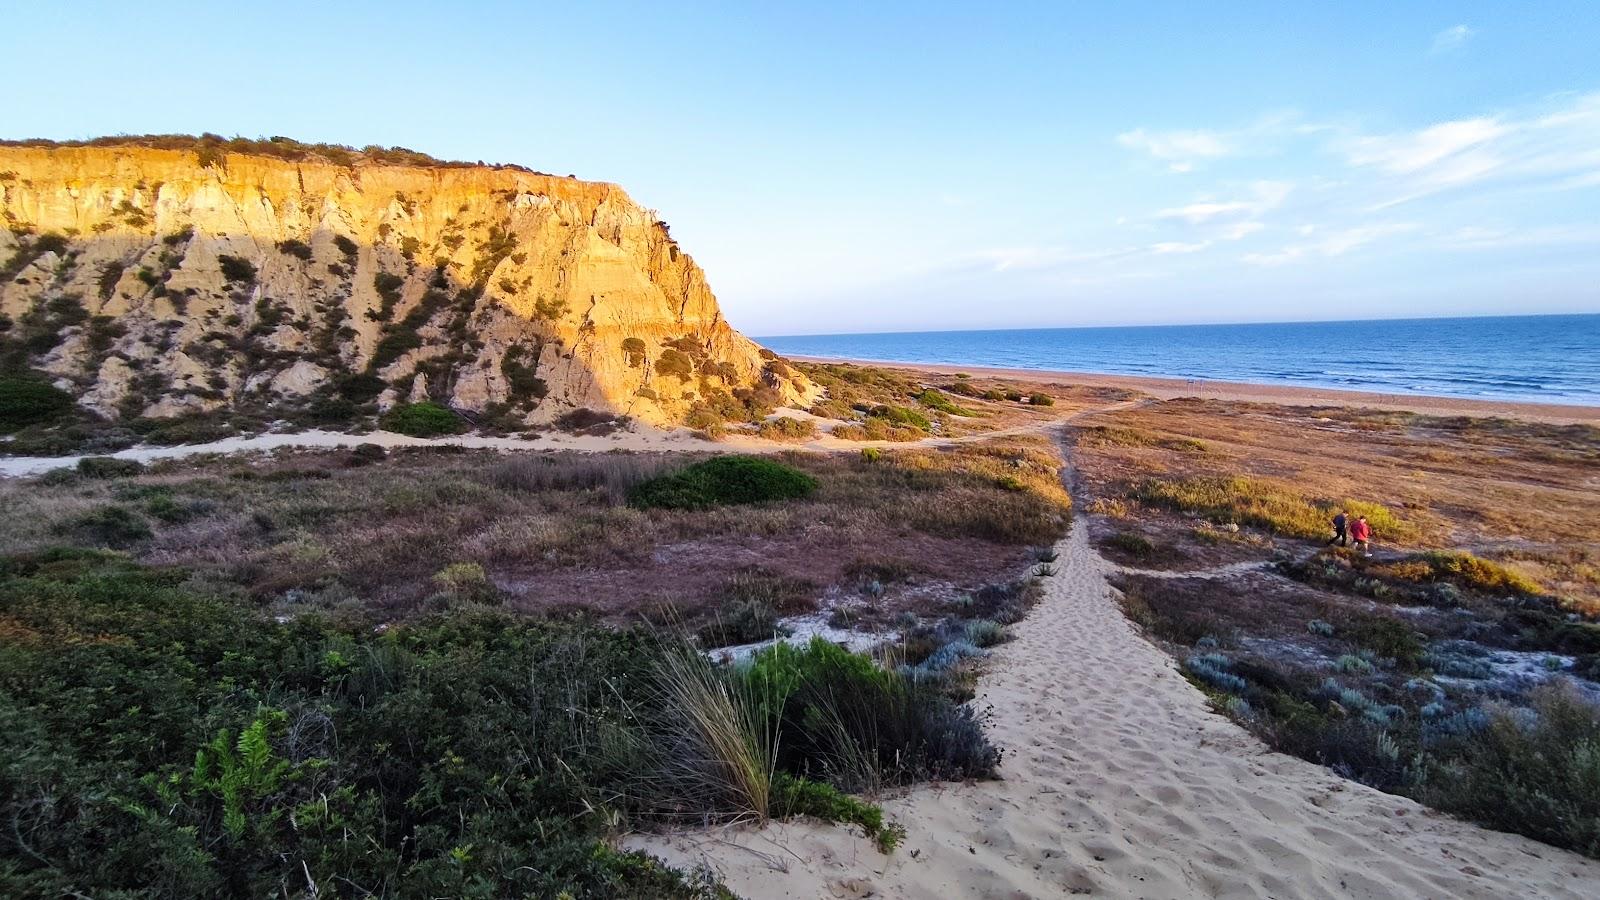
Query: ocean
x,y
1542,359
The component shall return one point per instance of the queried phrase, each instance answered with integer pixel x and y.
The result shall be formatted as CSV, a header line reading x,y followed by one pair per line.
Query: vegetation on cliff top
x,y
212,148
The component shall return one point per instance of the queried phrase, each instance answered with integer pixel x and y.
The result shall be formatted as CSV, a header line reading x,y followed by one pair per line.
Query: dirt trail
x,y
1119,781
650,440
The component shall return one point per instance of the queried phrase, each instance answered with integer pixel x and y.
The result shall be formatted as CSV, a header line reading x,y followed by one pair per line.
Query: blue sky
x,y
866,167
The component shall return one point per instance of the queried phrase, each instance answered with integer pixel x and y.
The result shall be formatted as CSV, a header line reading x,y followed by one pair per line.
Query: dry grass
x,y
1520,494
552,531
954,406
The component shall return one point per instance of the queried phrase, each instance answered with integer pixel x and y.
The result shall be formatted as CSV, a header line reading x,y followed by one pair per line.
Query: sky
x,y
850,167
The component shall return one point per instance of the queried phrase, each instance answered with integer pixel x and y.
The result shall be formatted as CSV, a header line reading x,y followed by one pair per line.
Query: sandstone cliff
x,y
159,282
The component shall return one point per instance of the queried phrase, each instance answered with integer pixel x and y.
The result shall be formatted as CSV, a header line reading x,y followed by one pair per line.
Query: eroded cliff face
x,y
157,282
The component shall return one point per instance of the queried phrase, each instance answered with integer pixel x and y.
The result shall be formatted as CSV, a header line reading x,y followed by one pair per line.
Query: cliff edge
x,y
153,280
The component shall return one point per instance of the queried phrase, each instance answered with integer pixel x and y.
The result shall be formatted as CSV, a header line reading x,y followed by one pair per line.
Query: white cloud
x,y
1452,38
1480,238
1178,147
1003,259
1335,243
1178,247
1268,196
1412,152
1240,230
1546,149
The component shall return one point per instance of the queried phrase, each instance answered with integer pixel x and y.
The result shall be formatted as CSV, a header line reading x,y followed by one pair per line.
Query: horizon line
x,y
761,337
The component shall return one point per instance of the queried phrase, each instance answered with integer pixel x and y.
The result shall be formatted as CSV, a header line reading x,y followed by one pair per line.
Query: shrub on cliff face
x,y
237,270
425,419
25,401
723,481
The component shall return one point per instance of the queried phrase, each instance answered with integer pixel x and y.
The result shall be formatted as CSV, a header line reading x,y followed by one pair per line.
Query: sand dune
x,y
1120,782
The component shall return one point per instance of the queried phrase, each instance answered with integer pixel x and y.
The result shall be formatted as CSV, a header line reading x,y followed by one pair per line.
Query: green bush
x,y
26,401
838,715
1041,399
933,399
1540,778
1135,545
425,419
793,796
723,481
675,363
164,741
899,415
108,467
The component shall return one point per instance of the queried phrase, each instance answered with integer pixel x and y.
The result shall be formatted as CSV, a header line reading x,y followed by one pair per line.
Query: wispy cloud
x,y
1166,247
1266,196
1549,149
1334,243
1179,149
1412,152
1183,150
1452,38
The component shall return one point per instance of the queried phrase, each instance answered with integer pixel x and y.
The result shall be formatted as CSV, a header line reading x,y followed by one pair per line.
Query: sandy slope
x,y
1119,782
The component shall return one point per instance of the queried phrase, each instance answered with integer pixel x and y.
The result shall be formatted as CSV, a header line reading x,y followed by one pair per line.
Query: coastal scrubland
x,y
1458,664
432,672
875,403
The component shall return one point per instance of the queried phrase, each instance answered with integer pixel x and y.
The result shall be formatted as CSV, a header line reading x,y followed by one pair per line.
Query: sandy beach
x,y
1167,388
1120,781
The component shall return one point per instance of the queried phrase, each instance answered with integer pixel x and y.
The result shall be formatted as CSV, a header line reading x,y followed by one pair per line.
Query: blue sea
x,y
1544,359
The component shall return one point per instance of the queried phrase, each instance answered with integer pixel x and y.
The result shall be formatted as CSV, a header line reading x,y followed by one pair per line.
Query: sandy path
x,y
1120,782
644,440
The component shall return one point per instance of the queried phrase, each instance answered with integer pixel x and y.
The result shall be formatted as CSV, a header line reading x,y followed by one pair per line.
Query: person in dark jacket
x,y
1339,537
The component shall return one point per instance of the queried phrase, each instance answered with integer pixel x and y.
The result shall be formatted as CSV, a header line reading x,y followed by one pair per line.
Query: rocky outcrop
x,y
158,281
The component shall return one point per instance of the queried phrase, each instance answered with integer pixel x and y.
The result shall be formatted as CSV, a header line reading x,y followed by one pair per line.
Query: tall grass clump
x,y
722,752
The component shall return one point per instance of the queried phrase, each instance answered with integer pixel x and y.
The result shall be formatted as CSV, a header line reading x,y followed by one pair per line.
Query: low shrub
x,y
1539,777
162,740
466,581
108,467
860,727
741,621
793,796
901,416
1037,399
424,419
366,454
723,481
787,428
1475,573
933,399
1136,545
986,633
29,401
237,270
108,526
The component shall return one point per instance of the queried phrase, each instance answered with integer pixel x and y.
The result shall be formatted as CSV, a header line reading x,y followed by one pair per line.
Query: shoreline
x,y
1282,394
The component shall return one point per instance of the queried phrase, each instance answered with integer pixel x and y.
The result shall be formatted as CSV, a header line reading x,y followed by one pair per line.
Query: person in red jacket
x,y
1361,535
